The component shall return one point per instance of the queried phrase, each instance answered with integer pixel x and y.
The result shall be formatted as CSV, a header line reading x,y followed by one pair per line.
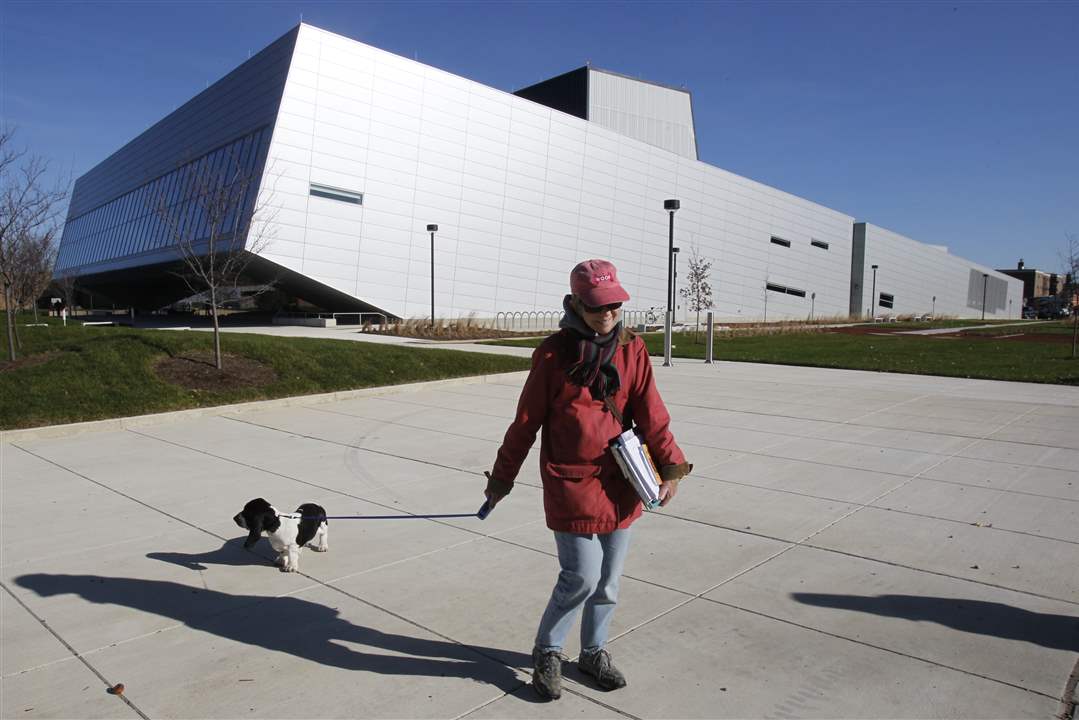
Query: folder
x,y
636,463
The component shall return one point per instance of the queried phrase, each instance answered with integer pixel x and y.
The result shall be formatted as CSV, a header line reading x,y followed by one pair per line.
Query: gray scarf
x,y
590,364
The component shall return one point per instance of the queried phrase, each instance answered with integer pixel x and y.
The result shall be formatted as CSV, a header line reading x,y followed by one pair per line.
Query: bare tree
x,y
698,291
219,227
1069,295
29,216
34,262
67,283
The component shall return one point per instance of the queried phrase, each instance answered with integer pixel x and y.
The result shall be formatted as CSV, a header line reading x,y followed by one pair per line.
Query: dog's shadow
x,y
231,553
293,626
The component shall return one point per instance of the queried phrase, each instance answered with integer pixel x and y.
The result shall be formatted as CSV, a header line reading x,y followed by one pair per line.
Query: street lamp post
x,y
812,304
985,284
670,206
432,229
934,313
873,295
674,292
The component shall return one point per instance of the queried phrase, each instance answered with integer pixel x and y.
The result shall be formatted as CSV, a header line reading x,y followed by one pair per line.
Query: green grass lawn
x,y
1030,327
953,356
103,372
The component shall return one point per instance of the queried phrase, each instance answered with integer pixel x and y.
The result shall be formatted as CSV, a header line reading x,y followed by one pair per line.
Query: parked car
x,y
1029,313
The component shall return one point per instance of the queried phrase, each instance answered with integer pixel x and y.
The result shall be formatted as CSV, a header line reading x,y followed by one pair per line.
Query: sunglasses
x,y
601,309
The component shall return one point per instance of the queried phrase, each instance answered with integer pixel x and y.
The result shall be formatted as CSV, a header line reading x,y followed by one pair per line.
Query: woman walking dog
x,y
577,375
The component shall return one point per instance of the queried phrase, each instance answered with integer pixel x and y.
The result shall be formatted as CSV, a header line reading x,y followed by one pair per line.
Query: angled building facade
x,y
357,150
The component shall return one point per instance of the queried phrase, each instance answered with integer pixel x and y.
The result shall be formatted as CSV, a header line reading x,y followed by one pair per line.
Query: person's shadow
x,y
1058,632
293,626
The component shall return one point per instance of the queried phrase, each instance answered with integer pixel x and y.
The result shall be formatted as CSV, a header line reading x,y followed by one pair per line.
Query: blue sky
x,y
953,123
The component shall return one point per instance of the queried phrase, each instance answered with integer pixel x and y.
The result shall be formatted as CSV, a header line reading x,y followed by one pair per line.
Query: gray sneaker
x,y
547,673
598,664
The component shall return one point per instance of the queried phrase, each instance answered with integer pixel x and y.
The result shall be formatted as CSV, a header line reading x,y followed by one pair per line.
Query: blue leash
x,y
482,514
393,517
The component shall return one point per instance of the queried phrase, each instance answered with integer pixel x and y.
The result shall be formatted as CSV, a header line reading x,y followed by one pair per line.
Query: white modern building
x,y
357,151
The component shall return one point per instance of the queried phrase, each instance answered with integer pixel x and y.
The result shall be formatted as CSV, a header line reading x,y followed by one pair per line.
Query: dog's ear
x,y
254,531
257,522
270,521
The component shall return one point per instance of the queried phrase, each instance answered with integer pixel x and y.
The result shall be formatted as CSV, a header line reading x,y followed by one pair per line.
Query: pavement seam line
x,y
118,492
896,510
840,422
81,550
316,485
72,650
741,454
877,647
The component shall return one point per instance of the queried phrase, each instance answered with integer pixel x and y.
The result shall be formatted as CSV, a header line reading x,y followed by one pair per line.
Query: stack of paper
x,y
632,456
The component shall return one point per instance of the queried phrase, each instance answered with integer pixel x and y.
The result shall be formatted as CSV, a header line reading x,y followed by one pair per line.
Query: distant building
x,y
356,150
1036,283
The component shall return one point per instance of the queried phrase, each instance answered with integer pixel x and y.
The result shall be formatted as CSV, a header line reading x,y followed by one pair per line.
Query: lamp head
x,y
432,228
671,204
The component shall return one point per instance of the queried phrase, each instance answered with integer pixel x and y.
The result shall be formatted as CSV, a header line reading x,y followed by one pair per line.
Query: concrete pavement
x,y
850,544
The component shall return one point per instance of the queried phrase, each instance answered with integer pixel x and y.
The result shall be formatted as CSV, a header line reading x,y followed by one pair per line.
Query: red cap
x,y
595,282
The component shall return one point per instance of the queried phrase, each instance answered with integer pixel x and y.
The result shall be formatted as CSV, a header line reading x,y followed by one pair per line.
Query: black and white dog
x,y
286,532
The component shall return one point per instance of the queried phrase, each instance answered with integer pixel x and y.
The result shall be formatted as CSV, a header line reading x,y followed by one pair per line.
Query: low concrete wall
x,y
308,322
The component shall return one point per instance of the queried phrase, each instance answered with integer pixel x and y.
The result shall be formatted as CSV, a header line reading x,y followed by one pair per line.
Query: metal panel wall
x,y
927,279
658,115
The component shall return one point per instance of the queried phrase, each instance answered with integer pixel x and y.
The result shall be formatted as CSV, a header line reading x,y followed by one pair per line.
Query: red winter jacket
x,y
584,490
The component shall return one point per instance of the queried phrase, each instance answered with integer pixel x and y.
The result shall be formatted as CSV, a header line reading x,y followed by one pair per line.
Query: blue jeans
x,y
591,570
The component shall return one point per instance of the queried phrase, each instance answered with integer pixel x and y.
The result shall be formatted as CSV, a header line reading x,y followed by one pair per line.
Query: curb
x,y
123,423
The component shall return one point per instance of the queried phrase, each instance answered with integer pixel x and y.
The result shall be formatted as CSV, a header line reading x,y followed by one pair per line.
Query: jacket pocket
x,y
571,471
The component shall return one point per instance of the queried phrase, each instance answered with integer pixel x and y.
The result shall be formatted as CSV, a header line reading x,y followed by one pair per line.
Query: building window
x,y
819,244
886,300
787,290
325,191
780,241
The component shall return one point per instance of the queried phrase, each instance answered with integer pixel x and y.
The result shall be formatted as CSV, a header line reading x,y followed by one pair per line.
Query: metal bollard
x,y
668,324
709,337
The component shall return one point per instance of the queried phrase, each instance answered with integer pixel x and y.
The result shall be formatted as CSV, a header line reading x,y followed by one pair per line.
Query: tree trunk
x,y
10,325
217,328
1075,331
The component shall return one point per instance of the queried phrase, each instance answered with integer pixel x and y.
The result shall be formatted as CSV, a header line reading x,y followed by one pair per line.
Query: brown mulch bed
x,y
877,329
196,371
28,361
